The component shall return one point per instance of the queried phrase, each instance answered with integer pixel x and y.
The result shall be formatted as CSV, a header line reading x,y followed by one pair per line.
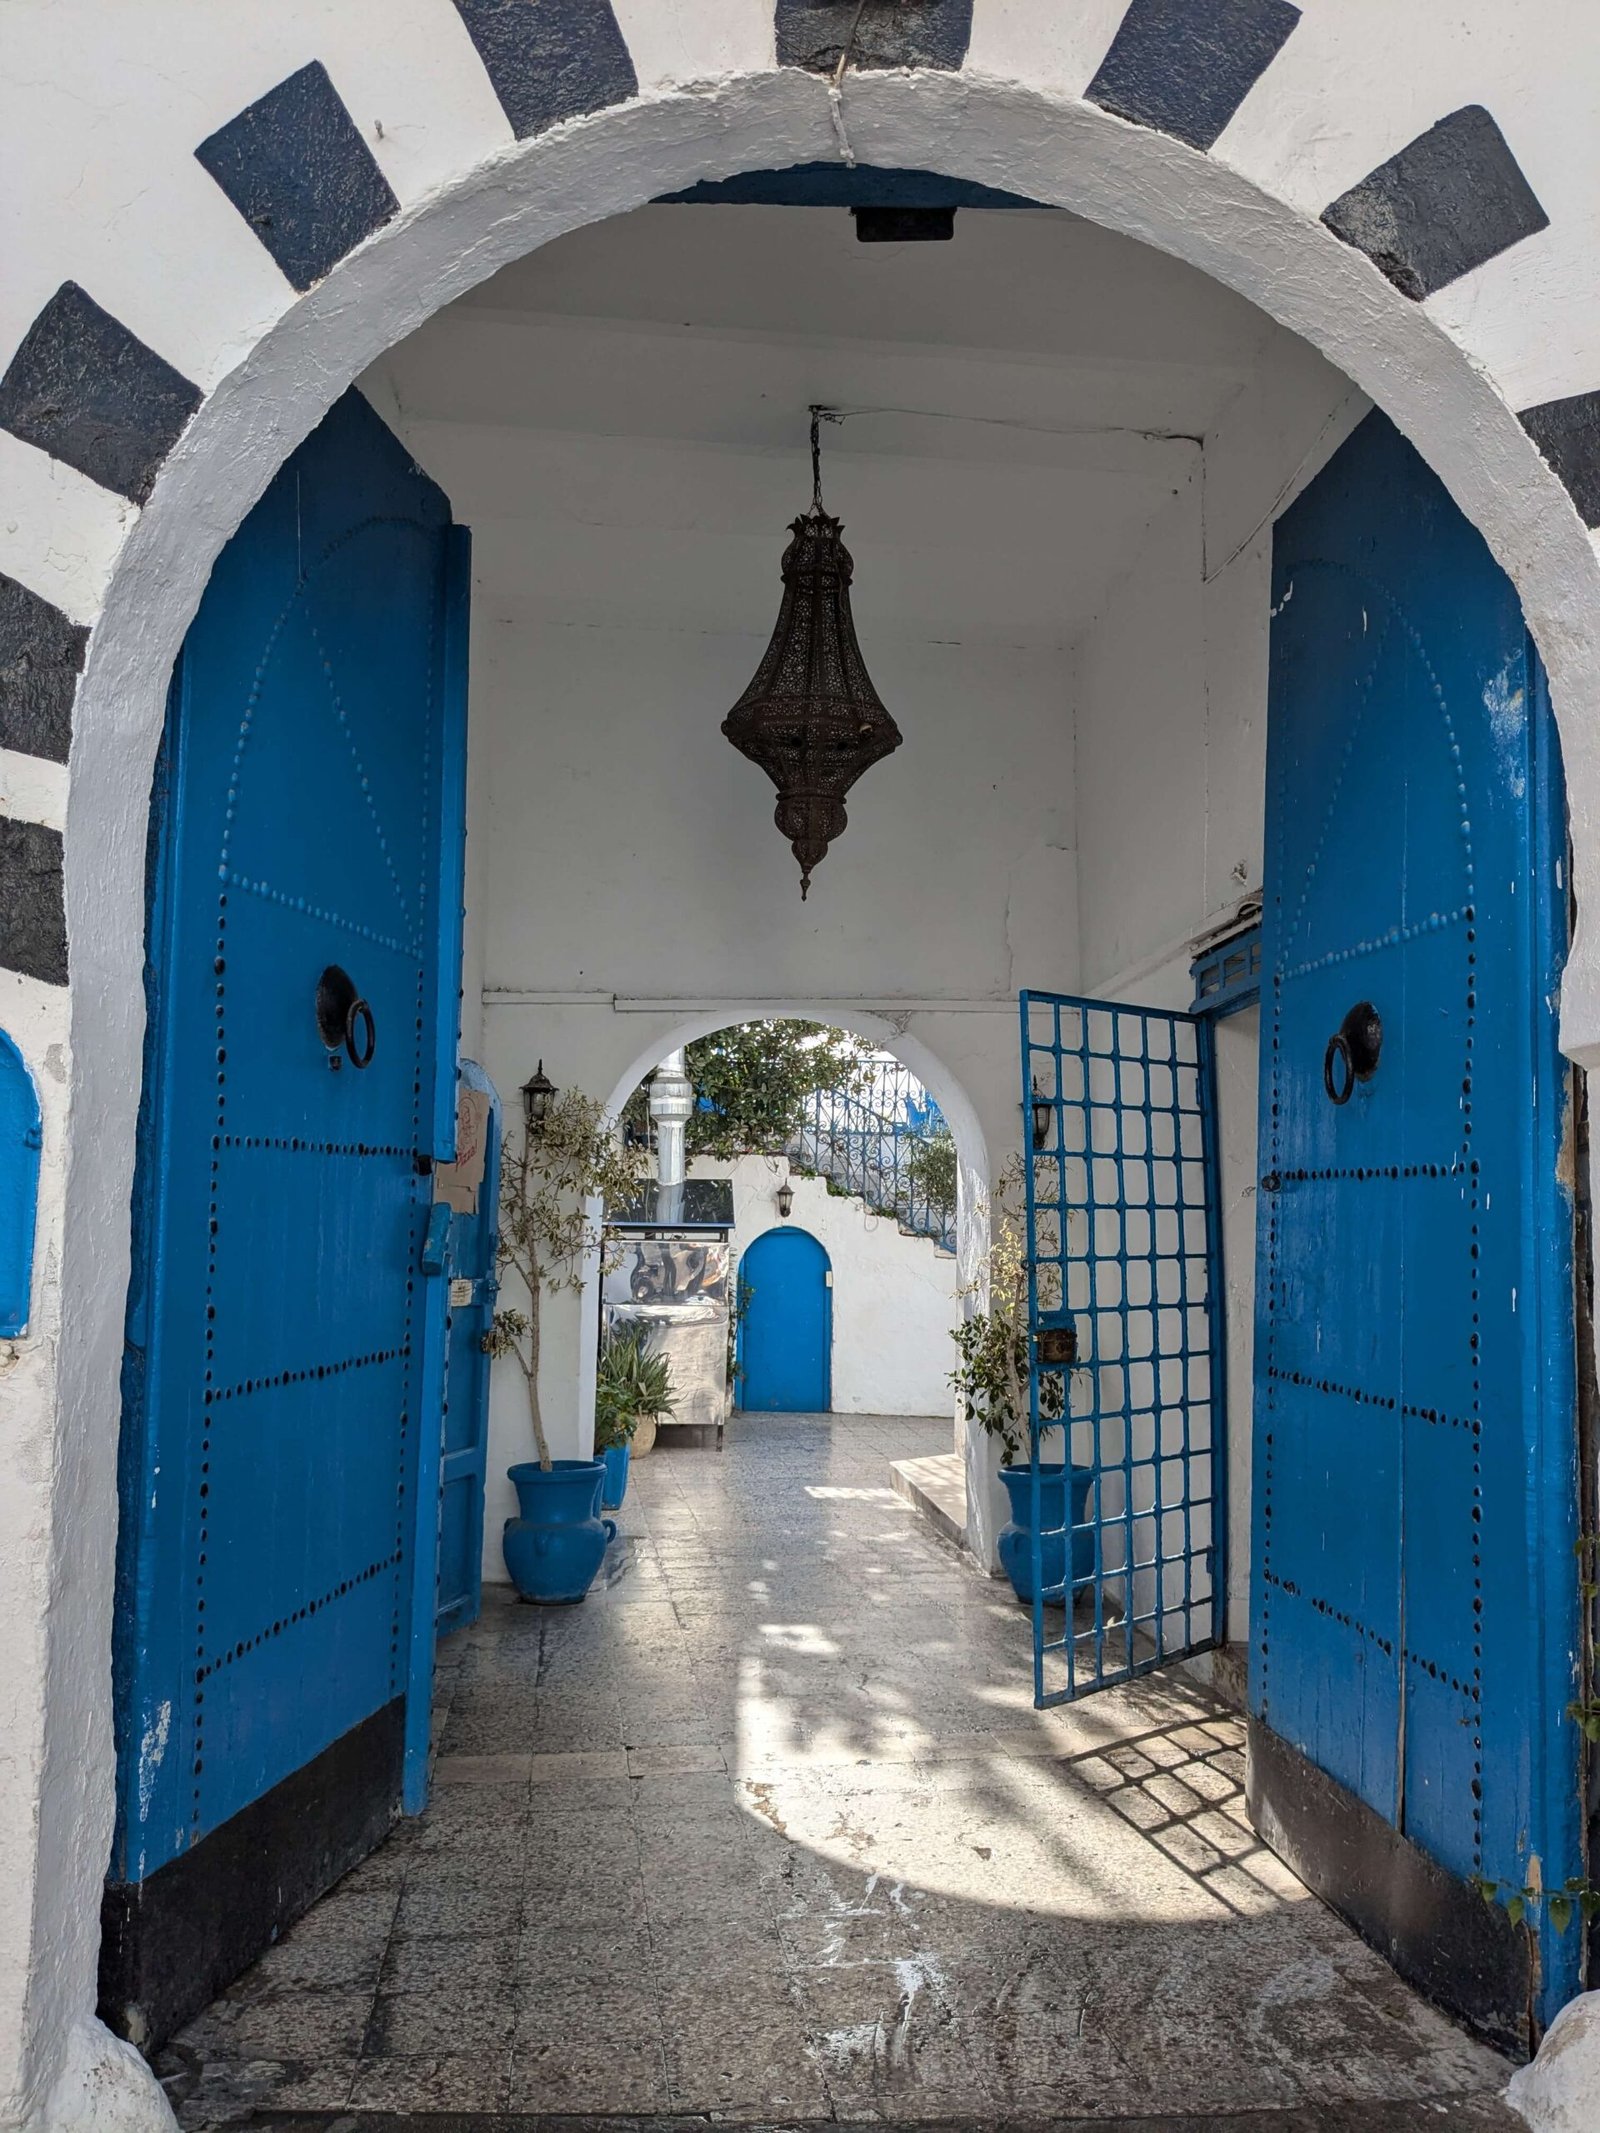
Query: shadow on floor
x,y
769,1830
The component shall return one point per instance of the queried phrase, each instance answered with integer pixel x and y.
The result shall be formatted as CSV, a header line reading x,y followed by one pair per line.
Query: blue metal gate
x,y
1125,1343
303,982
1415,1593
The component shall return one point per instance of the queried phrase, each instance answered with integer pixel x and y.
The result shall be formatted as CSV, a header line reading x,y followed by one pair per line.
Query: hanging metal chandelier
x,y
811,717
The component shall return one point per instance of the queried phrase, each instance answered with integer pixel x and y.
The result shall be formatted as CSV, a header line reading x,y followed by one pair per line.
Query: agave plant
x,y
631,1386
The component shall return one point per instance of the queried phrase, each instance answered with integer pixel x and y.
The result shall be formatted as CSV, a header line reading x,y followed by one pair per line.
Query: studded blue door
x,y
1414,1608
786,1332
471,1265
1127,1470
274,1450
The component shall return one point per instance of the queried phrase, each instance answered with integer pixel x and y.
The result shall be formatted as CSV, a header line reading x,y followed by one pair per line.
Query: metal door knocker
x,y
344,1018
1352,1053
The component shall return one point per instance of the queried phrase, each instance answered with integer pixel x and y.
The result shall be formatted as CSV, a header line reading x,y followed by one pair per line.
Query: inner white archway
x,y
974,1171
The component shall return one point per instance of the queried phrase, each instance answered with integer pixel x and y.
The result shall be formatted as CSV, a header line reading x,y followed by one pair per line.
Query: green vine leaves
x,y
991,1378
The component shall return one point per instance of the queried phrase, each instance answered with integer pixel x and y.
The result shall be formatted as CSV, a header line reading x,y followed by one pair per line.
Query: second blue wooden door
x,y
1415,1617
786,1334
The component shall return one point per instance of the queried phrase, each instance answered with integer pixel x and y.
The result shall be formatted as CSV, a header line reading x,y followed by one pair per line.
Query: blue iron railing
x,y
883,1141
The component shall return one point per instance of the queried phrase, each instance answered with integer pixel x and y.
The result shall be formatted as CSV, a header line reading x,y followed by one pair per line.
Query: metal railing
x,y
874,1141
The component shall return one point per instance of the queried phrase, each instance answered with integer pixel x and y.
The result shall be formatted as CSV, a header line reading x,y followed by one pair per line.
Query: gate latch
x,y
1056,1347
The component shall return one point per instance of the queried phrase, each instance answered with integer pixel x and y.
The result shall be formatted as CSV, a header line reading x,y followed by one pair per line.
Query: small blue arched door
x,y
786,1332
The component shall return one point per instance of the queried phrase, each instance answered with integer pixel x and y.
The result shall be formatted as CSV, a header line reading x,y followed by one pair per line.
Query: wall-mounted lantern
x,y
785,1200
1041,1108
538,1094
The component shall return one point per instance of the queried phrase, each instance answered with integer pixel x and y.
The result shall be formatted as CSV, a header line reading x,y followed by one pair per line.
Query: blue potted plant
x,y
567,1158
991,1380
631,1386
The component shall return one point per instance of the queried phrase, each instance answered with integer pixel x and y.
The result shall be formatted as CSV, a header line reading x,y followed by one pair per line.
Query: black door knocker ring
x,y
1352,1053
344,1019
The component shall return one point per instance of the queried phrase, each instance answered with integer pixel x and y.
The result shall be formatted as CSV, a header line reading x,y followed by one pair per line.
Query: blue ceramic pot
x,y
558,1543
615,1485
1015,1544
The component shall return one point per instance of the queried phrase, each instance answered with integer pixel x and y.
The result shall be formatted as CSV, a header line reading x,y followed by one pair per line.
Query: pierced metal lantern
x,y
539,1092
811,717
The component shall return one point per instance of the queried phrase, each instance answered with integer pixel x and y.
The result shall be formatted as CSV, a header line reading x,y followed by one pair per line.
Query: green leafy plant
x,y
1575,1898
631,1386
931,1166
991,1378
742,1294
752,1083
549,1182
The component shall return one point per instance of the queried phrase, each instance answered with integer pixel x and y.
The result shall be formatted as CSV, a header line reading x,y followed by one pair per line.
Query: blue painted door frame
x,y
21,1138
473,1285
785,1338
276,1573
1415,1611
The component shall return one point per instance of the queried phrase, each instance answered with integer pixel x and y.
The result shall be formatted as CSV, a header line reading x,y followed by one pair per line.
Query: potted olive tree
x,y
566,1164
631,1386
991,1381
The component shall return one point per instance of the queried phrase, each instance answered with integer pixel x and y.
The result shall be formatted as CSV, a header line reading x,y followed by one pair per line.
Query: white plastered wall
x,y
1171,780
896,1297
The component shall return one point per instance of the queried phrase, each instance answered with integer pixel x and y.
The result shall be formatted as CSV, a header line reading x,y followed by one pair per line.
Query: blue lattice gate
x,y
1125,1342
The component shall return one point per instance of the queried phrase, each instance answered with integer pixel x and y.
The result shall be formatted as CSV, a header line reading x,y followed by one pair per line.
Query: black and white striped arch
x,y
85,389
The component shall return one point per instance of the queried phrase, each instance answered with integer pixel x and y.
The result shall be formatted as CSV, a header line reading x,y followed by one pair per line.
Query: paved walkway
x,y
768,1829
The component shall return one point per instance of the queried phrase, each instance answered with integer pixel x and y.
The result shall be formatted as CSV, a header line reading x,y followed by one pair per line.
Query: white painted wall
x,y
896,1298
1079,791
620,420
1171,759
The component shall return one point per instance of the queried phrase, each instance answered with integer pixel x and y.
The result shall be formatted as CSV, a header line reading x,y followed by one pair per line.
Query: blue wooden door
x,y
471,1266
275,1446
786,1332
1415,1611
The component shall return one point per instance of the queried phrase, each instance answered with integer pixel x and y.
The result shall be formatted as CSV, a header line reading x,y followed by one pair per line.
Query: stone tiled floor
x,y
768,1829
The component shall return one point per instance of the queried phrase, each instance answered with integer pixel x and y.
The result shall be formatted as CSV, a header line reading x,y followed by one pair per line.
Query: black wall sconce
x,y
785,1199
538,1094
1040,1108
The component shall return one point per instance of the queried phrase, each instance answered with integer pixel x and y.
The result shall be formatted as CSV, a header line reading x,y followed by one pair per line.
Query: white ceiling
x,y
622,415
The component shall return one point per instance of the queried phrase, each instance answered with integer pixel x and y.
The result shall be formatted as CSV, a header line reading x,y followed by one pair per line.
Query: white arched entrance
x,y
1052,148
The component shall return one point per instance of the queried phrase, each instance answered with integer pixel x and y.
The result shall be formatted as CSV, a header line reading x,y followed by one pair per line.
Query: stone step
x,y
936,1486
